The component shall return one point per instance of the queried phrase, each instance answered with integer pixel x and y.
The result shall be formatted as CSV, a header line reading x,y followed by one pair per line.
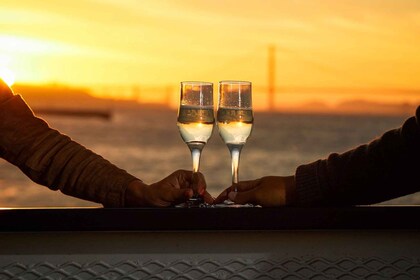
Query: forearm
x,y
54,160
384,169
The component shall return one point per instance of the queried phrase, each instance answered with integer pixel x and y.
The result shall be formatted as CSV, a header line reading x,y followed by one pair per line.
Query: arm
x,y
54,160
386,168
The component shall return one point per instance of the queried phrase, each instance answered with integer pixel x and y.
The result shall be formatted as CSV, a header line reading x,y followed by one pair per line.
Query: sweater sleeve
x,y
52,159
386,168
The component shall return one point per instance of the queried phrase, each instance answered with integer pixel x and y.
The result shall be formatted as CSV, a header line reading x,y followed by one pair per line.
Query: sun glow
x,y
7,76
323,51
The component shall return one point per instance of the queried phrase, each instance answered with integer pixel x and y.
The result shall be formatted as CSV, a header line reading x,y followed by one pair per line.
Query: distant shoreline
x,y
65,98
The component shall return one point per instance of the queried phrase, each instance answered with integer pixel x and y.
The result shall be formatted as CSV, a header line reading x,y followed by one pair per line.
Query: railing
x,y
196,243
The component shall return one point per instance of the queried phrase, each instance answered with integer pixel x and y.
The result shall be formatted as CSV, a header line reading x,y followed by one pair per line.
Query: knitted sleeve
x,y
386,168
56,161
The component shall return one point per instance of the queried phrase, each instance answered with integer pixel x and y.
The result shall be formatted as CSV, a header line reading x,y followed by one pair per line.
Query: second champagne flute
x,y
196,117
235,118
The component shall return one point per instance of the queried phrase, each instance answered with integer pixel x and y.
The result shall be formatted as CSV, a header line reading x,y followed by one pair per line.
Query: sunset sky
x,y
330,43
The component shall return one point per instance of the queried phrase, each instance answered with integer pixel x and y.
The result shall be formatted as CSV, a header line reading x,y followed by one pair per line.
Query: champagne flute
x,y
235,119
196,118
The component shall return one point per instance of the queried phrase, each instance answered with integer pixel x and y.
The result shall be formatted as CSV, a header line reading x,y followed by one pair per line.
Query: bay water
x,y
146,143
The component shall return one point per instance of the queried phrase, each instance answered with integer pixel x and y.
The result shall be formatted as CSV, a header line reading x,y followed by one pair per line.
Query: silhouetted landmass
x,y
355,107
367,107
71,99
64,97
349,91
60,100
81,113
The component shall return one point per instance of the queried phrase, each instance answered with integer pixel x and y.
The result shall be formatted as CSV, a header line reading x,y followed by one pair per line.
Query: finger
x,y
176,196
161,203
240,187
246,185
208,198
243,197
222,196
199,183
189,179
183,177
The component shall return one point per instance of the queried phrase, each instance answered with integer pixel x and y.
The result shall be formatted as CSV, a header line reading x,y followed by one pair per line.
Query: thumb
x,y
243,197
179,195
198,183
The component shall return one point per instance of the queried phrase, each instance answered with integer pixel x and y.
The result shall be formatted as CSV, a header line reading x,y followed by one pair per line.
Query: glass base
x,y
194,201
225,204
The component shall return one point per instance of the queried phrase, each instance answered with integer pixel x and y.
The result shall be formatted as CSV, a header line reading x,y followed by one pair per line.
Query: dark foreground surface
x,y
245,243
211,219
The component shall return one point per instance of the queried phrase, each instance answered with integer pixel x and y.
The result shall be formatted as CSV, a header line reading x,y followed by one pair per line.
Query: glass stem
x,y
235,153
195,148
195,155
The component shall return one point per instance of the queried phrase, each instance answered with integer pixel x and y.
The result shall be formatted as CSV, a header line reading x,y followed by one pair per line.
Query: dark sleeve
x,y
386,168
54,160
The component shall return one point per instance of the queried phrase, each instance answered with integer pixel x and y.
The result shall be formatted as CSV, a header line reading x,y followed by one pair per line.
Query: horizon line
x,y
277,89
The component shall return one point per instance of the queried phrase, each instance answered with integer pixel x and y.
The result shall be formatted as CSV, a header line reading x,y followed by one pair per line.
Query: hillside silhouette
x,y
65,97
62,97
354,107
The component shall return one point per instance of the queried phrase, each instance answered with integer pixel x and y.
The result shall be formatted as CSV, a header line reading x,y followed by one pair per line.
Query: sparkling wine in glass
x,y
235,118
196,117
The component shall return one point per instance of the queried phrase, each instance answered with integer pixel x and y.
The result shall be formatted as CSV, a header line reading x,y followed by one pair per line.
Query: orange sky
x,y
328,43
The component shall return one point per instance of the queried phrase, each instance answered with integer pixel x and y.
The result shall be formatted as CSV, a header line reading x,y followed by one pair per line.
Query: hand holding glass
x,y
196,117
235,118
